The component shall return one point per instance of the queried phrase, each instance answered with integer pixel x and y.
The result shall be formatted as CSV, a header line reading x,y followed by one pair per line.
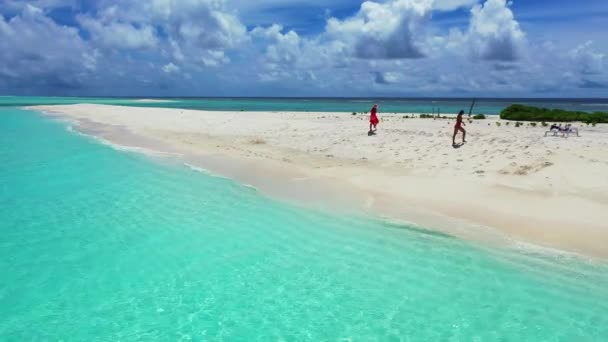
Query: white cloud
x,y
19,5
170,68
141,44
35,50
195,31
587,60
494,34
281,48
388,30
214,58
119,35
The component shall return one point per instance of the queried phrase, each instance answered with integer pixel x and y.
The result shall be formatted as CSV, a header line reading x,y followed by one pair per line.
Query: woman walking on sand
x,y
373,120
458,127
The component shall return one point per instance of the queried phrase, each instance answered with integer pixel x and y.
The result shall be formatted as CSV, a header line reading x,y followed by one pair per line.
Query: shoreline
x,y
277,153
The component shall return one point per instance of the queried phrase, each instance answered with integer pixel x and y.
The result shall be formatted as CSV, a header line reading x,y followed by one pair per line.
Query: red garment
x,y
373,119
458,122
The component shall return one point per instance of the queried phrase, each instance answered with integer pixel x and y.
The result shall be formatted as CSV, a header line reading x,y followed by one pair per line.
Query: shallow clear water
x,y
387,106
98,244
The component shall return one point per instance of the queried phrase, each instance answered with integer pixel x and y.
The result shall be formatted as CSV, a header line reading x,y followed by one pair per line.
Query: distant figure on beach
x,y
373,120
458,127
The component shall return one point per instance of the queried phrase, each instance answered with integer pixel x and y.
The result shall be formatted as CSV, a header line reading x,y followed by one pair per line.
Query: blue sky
x,y
494,48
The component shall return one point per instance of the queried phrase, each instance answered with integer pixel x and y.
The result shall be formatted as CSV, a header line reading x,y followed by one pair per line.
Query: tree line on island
x,y
517,112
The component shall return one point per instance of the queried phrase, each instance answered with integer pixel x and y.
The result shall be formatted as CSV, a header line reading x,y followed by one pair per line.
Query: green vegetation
x,y
426,116
497,124
533,124
527,113
479,116
354,113
517,124
545,124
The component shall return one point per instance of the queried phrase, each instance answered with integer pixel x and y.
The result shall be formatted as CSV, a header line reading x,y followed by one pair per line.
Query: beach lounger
x,y
565,132
571,131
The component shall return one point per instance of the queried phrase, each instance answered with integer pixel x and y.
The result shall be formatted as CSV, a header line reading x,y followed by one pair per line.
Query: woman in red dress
x,y
373,119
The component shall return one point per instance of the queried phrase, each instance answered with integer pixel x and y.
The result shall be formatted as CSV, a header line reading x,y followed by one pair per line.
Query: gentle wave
x,y
121,147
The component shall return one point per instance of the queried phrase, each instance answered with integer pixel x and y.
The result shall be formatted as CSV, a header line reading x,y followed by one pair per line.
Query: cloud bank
x,y
204,47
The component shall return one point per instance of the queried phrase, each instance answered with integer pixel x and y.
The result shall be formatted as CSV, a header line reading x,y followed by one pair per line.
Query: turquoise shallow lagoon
x,y
102,245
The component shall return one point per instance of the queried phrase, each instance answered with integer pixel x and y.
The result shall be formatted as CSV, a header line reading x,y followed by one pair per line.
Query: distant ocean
x,y
387,105
98,244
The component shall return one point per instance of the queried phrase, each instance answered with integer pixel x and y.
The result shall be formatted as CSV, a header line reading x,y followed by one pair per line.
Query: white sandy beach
x,y
549,191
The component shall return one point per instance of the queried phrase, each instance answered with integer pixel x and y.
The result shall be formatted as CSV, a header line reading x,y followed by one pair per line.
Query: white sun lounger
x,y
564,133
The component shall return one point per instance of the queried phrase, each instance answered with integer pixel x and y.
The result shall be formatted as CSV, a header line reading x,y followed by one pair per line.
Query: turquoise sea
x,y
387,105
98,244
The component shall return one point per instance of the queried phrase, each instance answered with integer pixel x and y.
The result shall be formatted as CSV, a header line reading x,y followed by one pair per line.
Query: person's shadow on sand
x,y
457,145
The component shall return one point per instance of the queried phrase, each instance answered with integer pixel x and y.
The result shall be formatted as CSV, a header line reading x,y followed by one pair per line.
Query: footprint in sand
x,y
523,170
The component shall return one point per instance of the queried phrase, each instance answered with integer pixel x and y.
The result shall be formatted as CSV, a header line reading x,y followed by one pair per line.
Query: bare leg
x,y
454,137
464,134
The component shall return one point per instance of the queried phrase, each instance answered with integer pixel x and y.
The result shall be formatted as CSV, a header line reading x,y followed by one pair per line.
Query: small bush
x,y
533,124
593,124
544,124
517,124
426,116
497,124
479,116
406,116
354,113
507,123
